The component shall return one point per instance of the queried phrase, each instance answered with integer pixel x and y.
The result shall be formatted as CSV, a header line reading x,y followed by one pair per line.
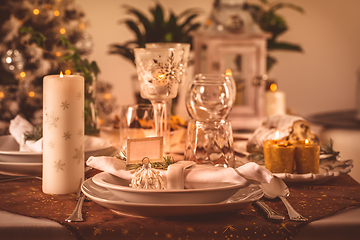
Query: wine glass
x,y
168,105
210,96
159,72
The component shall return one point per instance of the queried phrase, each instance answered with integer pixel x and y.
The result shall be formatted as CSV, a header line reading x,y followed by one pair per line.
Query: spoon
x,y
277,188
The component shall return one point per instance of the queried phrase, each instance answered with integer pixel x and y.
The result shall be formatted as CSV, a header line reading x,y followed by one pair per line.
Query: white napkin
x,y
192,173
18,126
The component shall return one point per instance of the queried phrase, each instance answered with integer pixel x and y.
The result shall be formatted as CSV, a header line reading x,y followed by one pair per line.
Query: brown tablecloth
x,y
25,197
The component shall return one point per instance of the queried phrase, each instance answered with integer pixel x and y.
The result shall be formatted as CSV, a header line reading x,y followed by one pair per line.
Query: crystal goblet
x,y
159,72
210,96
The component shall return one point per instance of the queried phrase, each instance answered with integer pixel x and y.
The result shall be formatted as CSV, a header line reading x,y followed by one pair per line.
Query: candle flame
x,y
277,135
306,142
61,74
273,87
228,72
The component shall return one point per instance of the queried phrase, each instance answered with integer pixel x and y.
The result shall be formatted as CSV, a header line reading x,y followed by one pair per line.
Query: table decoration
x,y
279,156
330,166
159,73
196,174
274,101
63,133
290,127
26,198
307,157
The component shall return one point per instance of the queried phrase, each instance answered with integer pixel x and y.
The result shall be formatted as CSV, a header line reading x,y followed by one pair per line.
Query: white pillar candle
x,y
63,133
274,102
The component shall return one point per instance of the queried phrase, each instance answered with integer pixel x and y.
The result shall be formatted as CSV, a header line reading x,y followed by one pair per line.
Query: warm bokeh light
x,y
62,30
67,72
273,87
58,54
82,25
2,95
107,96
306,142
31,94
228,72
277,135
56,13
36,11
22,74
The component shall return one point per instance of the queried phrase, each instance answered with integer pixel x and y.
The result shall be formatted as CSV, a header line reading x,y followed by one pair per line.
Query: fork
x,y
76,215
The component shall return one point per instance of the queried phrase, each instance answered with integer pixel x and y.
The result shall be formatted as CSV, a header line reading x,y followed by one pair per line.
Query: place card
x,y
149,147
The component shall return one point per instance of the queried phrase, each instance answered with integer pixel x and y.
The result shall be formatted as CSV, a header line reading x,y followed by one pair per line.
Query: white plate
x,y
21,169
329,168
9,150
200,194
105,198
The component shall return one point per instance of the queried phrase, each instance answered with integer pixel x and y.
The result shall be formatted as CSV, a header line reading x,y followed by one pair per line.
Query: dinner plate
x,y
21,169
9,150
200,193
242,198
329,168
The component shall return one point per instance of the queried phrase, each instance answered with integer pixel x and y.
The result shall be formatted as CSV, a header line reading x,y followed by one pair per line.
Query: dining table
x,y
331,207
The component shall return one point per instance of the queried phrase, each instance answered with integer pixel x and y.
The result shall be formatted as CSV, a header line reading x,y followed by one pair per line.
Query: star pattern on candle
x,y
51,120
51,144
80,132
65,105
79,95
79,153
58,165
67,135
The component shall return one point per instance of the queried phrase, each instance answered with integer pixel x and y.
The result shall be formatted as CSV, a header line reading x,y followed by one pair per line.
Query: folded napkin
x,y
18,126
188,173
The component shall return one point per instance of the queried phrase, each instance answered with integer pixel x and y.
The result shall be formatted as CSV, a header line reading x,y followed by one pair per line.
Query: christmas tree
x,y
38,38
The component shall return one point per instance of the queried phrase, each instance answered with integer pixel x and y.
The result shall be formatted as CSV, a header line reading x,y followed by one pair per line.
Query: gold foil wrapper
x,y
307,158
279,156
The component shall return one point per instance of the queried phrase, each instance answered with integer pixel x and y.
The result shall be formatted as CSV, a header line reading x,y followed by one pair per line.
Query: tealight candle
x,y
307,157
274,101
279,156
63,133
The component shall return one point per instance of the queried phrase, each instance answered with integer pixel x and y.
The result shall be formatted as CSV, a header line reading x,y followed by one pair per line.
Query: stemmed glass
x,y
168,105
210,96
209,100
159,72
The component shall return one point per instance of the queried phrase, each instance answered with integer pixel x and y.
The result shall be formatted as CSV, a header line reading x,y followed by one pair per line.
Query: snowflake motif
x,y
51,144
97,231
80,133
189,229
65,105
168,235
168,73
79,153
51,120
229,227
79,95
59,165
125,232
67,135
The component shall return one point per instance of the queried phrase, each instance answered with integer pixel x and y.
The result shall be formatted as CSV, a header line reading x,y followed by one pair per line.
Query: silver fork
x,y
76,215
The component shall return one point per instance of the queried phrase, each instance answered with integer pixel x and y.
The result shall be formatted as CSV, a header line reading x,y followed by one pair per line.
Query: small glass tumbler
x,y
136,121
210,142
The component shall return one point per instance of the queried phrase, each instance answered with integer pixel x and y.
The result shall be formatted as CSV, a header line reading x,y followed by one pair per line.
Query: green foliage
x,y
270,21
35,134
167,160
176,28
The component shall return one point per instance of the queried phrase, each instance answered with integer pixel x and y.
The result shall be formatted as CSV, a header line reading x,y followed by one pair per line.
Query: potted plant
x,y
158,28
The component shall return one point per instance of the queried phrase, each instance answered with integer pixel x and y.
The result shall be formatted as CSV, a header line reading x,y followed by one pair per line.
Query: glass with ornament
x,y
171,103
159,73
